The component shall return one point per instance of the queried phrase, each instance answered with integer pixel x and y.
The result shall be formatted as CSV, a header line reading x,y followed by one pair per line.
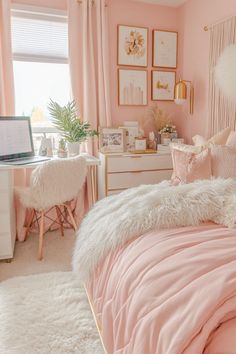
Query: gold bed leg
x,y
95,319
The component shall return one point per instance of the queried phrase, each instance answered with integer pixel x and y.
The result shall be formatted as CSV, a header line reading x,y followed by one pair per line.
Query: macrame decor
x,y
222,76
225,72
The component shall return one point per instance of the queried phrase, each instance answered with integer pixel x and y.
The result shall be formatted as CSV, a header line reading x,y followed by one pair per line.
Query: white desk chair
x,y
52,185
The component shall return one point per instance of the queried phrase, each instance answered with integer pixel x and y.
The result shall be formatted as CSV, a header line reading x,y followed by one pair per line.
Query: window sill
x,y
44,129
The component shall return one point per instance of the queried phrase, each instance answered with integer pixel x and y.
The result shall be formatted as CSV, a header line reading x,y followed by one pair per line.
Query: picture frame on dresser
x,y
132,45
112,140
164,49
132,87
163,84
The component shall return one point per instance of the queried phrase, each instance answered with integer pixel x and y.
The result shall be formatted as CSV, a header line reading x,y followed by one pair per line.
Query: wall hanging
x,y
132,46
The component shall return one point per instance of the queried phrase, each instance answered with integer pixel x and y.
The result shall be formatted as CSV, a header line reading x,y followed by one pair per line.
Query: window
x,y
40,61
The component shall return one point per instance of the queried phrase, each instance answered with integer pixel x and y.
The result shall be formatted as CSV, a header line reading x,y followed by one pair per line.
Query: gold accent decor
x,y
147,151
180,92
99,329
209,27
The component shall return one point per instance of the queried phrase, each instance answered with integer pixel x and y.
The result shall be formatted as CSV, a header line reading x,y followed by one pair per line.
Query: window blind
x,y
38,36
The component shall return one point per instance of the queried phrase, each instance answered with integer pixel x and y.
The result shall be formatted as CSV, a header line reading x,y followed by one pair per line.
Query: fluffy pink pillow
x,y
223,160
189,167
231,141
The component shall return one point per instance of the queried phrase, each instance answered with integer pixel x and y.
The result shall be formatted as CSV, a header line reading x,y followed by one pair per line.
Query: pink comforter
x,y
169,292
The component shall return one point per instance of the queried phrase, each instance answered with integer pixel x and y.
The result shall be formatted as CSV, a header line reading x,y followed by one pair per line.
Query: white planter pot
x,y
73,148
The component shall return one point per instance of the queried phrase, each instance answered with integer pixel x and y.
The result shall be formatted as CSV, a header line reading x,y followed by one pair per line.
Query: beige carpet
x,y
57,255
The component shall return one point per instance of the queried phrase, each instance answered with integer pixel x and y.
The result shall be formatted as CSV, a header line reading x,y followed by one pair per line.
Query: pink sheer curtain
x,y
89,61
7,105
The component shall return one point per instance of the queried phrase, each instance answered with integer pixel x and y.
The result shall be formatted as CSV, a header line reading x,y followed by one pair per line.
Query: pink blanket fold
x,y
169,292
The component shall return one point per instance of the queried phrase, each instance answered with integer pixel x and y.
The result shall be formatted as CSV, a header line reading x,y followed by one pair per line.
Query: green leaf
x,y
65,119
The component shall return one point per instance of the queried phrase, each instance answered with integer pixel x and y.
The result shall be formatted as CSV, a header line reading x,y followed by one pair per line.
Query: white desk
x,y
7,205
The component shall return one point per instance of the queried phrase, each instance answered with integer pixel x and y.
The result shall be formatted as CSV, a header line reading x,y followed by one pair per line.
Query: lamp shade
x,y
180,92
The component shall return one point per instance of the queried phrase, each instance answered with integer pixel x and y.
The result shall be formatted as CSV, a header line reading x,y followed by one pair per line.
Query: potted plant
x,y
71,128
62,152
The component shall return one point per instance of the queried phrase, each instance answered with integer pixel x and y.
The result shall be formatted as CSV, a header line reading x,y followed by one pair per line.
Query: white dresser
x,y
7,215
119,171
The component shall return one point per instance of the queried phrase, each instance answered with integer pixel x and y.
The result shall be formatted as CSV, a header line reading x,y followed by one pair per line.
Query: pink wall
x,y
194,49
138,14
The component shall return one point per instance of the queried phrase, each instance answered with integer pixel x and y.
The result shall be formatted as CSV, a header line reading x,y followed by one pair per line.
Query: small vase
x,y
73,148
165,137
61,153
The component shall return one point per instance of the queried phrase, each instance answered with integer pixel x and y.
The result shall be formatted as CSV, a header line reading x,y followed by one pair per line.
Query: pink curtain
x,y
89,63
7,105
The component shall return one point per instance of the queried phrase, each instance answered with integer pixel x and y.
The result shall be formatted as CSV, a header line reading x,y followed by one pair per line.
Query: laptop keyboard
x,y
25,160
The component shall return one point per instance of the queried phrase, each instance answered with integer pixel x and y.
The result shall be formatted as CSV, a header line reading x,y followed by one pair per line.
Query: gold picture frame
x,y
164,49
163,83
132,87
132,46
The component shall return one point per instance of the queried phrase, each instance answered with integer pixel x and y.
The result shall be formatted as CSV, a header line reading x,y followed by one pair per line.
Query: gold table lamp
x,y
180,93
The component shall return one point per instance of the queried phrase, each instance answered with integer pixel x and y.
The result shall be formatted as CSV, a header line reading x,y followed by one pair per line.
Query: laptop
x,y
16,142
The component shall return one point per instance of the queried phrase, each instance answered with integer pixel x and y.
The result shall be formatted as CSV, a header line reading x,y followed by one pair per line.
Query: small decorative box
x,y
140,143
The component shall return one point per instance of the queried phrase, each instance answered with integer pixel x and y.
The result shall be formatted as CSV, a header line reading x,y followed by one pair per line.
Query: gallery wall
x,y
128,12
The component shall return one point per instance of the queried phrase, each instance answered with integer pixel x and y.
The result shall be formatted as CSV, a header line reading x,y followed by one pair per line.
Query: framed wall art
x,y
163,84
111,140
132,49
164,51
132,87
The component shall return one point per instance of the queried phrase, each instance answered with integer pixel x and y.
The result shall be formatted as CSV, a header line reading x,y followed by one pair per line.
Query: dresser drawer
x,y
124,180
138,163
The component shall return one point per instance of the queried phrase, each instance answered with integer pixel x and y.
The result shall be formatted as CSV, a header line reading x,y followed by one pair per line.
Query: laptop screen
x,y
15,138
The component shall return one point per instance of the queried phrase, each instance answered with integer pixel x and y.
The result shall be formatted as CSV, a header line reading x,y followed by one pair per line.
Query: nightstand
x,y
119,171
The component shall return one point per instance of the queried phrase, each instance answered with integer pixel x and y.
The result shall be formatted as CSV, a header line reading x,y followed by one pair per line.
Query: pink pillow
x,y
189,167
223,159
231,141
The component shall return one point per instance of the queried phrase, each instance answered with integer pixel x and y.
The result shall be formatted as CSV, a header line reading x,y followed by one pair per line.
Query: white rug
x,y
46,314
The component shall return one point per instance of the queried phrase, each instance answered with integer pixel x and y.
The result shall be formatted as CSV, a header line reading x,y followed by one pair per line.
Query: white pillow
x,y
217,139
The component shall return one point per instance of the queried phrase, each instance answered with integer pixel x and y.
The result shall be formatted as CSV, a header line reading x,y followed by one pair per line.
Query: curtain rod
x,y
208,27
93,2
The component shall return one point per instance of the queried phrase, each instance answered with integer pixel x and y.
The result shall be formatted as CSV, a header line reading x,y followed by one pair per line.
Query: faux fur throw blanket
x,y
116,219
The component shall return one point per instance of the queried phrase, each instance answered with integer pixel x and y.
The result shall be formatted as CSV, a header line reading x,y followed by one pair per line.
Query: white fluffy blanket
x,y
116,219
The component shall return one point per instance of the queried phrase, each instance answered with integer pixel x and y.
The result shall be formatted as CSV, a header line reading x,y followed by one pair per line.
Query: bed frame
x,y
96,321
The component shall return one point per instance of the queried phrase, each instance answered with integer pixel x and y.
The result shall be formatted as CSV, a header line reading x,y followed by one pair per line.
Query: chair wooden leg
x,y
29,223
41,233
60,220
71,216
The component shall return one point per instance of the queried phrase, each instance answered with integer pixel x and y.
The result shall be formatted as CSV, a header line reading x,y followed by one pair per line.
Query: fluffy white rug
x,y
46,314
